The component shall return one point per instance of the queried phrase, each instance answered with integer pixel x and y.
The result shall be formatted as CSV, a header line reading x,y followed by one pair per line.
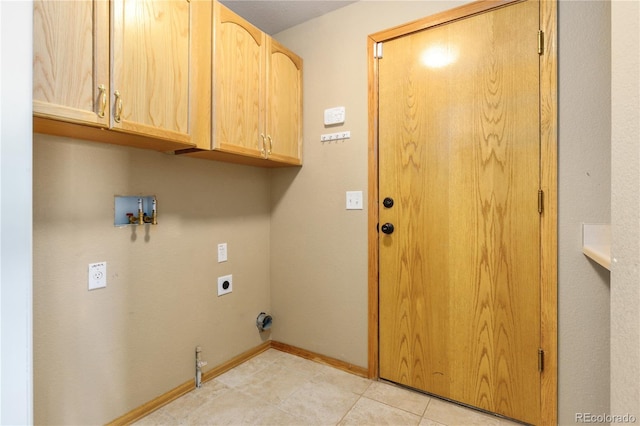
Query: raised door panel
x,y
71,61
238,85
284,99
151,43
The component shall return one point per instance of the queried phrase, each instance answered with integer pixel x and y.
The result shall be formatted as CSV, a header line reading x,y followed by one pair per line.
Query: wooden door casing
x,y
470,150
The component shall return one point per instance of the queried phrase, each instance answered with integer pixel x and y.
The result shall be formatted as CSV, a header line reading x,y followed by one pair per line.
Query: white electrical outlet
x,y
222,252
225,284
97,275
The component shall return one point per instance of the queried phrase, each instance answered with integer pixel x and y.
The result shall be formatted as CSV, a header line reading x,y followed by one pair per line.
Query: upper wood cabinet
x,y
238,84
71,61
154,91
284,104
256,97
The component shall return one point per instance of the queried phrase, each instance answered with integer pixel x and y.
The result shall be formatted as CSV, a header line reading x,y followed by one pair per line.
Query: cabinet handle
x,y
118,113
270,144
262,150
103,100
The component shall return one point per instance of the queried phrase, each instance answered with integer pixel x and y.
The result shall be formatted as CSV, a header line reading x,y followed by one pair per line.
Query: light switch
x,y
222,252
354,200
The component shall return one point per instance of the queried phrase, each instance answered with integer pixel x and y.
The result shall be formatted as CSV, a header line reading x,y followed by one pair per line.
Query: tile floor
x,y
276,388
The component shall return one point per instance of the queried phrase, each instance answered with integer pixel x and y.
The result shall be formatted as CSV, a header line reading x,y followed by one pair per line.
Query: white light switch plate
x,y
354,200
222,252
97,275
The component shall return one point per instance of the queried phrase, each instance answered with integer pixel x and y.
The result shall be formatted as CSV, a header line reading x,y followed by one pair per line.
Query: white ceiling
x,y
273,16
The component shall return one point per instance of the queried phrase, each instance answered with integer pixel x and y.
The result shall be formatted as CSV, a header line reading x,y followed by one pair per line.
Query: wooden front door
x,y
459,241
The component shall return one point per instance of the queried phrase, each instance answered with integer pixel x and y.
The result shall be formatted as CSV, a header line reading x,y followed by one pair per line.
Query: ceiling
x,y
273,16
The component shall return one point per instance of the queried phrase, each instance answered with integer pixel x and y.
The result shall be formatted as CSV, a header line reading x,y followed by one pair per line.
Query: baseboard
x,y
156,403
153,405
235,361
322,359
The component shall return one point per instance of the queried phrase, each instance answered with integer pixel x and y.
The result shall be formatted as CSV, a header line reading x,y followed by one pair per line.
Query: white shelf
x,y
596,243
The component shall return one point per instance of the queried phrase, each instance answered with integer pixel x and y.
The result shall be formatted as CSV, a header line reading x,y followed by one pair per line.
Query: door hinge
x,y
540,42
540,201
540,359
377,50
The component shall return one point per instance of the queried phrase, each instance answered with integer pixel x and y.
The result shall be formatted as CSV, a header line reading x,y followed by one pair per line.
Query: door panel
x,y
71,61
238,85
459,154
152,43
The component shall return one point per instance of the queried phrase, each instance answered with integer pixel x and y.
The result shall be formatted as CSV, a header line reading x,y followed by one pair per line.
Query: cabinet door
x,y
238,85
71,61
151,45
284,105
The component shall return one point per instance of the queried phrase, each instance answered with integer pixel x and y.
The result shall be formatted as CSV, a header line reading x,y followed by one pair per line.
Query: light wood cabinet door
x,y
141,67
238,85
284,105
71,61
151,48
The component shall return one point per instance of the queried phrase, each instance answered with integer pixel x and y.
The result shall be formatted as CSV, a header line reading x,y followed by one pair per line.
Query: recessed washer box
x,y
225,285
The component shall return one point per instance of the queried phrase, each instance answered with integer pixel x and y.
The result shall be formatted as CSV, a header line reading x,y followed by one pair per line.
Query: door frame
x,y
548,184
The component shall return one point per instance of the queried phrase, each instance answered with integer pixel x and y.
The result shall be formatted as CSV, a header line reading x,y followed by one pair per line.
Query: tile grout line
x,y
360,396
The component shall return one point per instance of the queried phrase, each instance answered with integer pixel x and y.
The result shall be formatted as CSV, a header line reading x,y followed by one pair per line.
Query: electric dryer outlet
x,y
225,284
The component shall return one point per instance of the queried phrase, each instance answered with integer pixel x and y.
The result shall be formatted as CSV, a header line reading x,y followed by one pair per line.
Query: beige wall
x,y
319,276
99,354
625,205
584,178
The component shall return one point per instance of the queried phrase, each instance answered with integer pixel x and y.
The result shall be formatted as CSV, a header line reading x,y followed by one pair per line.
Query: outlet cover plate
x,y
225,284
354,200
222,252
97,275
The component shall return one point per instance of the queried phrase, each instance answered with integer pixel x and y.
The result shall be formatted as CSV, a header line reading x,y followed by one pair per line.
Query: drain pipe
x,y
199,365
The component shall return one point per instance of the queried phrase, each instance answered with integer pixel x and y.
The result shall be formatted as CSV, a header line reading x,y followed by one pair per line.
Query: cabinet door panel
x,y
284,114
71,61
151,47
238,85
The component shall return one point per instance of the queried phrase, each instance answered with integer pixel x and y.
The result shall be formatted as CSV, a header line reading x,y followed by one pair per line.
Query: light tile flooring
x,y
276,388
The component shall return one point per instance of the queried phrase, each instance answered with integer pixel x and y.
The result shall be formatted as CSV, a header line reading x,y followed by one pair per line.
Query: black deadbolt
x,y
388,202
387,228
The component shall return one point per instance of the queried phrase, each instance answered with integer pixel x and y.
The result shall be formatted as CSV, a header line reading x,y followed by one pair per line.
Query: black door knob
x,y
388,202
387,228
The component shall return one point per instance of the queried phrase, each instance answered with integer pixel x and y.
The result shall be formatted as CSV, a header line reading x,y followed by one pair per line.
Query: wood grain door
x,y
459,156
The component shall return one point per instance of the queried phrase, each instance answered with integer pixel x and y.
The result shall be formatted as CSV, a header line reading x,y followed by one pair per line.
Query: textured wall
x,y
99,354
625,208
584,188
